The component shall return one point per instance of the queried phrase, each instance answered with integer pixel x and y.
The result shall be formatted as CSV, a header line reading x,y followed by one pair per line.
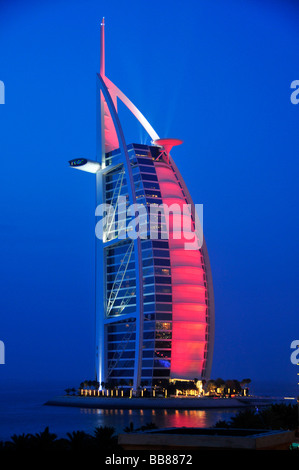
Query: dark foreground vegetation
x,y
274,417
104,439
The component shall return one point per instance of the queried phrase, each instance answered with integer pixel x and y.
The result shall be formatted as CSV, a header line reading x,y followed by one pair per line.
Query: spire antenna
x,y
102,58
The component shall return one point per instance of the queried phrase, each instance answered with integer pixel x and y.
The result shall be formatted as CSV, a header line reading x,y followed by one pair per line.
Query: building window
x,y
162,363
163,354
163,344
163,325
161,372
163,334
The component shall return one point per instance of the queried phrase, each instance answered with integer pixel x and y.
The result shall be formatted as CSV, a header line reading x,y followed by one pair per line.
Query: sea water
x,y
23,410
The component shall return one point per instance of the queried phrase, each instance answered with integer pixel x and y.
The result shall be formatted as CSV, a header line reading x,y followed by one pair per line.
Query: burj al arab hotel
x,y
154,298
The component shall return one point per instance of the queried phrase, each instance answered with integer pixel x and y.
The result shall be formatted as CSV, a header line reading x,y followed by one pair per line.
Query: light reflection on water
x,y
120,419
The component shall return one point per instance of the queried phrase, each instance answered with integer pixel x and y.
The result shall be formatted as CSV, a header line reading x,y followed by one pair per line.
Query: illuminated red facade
x,y
191,298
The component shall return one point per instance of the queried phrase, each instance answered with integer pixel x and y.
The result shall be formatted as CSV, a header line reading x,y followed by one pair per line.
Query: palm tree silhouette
x,y
20,442
130,428
44,439
78,440
104,438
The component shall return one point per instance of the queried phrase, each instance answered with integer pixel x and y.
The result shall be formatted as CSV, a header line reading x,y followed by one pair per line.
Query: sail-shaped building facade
x,y
154,298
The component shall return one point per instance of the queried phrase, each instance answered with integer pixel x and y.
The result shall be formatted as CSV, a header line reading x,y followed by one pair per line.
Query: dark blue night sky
x,y
214,74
